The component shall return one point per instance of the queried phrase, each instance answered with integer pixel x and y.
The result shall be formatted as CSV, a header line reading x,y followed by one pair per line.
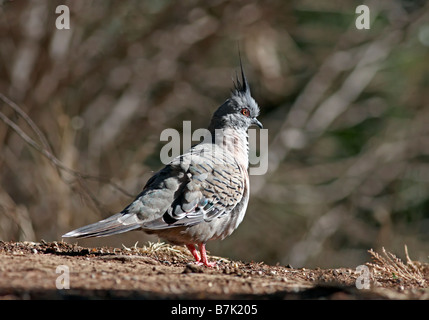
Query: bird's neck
x,y
233,142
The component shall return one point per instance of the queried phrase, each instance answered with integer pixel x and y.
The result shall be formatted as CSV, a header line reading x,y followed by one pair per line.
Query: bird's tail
x,y
115,224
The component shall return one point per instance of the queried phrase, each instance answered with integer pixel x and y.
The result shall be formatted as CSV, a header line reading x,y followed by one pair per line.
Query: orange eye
x,y
245,112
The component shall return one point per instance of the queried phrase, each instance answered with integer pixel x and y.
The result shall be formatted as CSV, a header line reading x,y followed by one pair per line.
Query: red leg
x,y
194,252
204,259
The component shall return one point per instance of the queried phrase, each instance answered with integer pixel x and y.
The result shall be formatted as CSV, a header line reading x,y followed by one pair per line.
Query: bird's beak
x,y
257,123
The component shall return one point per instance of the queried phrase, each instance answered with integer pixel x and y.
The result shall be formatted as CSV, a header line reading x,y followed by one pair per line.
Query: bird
x,y
201,195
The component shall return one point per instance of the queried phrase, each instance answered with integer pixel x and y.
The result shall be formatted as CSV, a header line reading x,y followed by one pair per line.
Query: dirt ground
x,y
31,270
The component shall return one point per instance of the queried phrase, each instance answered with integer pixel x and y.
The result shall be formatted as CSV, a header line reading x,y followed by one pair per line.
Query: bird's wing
x,y
208,187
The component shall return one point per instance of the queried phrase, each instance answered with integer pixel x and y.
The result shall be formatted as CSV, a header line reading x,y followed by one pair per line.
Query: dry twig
x,y
46,150
391,267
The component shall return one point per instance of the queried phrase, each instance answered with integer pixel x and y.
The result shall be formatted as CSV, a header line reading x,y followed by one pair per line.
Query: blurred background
x,y
346,110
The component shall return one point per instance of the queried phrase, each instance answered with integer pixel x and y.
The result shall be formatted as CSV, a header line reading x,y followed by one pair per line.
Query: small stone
x,y
193,268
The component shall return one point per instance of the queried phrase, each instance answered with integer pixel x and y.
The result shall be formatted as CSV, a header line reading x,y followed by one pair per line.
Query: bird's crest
x,y
241,86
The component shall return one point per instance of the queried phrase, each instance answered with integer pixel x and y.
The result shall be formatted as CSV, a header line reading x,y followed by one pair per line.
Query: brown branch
x,y
45,150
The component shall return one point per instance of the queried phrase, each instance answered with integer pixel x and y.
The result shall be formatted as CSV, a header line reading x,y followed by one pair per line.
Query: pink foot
x,y
194,252
207,264
204,259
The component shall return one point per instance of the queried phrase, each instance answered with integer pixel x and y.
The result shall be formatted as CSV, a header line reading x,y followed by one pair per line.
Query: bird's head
x,y
238,112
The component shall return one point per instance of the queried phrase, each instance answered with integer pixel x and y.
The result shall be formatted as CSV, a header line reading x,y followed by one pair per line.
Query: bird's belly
x,y
216,229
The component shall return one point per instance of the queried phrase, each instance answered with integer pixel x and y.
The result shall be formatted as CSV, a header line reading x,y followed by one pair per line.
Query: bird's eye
x,y
245,112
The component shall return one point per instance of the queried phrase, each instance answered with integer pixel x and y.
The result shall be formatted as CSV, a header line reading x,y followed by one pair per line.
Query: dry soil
x,y
30,270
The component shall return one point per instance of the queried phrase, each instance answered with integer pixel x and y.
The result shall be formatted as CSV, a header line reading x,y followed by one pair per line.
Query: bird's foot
x,y
203,260
206,263
194,252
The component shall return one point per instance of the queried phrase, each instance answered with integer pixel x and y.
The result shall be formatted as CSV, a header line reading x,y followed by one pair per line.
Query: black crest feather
x,y
243,85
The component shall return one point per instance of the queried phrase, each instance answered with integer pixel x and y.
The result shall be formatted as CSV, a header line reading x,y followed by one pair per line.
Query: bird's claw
x,y
207,264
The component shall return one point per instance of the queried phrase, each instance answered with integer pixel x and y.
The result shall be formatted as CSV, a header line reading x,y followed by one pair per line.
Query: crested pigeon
x,y
201,195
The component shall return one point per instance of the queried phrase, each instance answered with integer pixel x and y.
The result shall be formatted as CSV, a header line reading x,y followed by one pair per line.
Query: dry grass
x,y
160,248
391,267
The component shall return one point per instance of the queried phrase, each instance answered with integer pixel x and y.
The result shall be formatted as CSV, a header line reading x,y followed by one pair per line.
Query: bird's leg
x,y
194,252
204,259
